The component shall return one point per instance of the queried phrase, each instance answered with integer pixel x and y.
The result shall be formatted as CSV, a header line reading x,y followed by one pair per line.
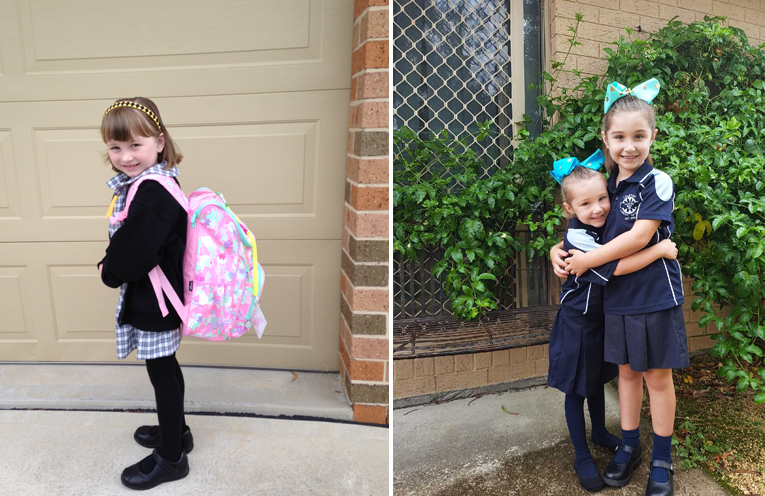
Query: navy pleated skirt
x,y
576,353
645,341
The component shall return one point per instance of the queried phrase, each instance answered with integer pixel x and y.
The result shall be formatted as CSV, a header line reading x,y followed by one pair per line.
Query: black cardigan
x,y
154,233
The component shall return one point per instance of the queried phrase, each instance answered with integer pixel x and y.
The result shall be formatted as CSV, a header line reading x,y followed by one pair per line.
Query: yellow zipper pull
x,y
110,212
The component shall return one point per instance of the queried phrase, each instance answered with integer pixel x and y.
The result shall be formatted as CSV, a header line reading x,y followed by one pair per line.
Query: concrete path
x,y
513,443
51,445
44,453
208,389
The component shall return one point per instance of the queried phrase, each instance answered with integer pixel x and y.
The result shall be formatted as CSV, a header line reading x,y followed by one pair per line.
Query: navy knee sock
x,y
662,446
574,407
596,403
630,438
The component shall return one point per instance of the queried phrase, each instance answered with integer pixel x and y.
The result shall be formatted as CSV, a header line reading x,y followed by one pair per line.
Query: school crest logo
x,y
629,205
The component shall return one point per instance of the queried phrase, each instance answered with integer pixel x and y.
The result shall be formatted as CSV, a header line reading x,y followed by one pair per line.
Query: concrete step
x,y
273,393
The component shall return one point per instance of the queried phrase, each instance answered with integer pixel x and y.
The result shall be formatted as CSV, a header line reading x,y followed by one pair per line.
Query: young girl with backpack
x,y
645,328
576,364
152,234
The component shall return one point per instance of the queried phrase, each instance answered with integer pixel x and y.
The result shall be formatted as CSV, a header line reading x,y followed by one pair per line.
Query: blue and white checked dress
x,y
149,344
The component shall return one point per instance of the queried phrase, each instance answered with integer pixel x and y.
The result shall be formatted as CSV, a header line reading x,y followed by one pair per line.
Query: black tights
x,y
169,389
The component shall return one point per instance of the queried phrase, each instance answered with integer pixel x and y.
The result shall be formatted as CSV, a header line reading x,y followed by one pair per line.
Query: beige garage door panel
x,y
55,307
94,49
278,159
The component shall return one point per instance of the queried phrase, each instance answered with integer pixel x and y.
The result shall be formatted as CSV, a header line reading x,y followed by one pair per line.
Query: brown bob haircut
x,y
124,123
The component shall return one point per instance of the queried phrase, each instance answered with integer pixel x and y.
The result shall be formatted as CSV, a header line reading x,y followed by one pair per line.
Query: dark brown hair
x,y
629,103
579,174
124,123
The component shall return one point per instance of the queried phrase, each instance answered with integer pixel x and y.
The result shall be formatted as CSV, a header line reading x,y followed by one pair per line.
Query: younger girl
x,y
154,233
645,329
576,340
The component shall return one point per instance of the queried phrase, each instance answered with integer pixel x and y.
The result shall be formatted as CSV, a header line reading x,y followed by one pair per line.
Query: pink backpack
x,y
222,278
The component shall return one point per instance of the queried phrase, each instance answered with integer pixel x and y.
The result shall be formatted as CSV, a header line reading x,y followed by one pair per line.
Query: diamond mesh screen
x,y
452,70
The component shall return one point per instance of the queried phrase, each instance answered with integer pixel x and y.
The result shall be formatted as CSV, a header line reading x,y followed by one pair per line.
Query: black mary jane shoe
x,y
164,471
661,488
619,474
591,484
144,437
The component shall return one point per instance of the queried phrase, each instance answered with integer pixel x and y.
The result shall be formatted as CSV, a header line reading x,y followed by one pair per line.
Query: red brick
x,y
368,347
369,300
700,343
366,224
362,5
368,115
371,85
367,170
370,197
365,370
370,414
373,24
370,55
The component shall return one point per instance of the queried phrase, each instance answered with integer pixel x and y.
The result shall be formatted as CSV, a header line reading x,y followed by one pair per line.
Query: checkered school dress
x,y
149,344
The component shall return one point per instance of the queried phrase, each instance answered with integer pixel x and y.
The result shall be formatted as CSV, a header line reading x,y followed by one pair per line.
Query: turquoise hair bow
x,y
564,166
646,91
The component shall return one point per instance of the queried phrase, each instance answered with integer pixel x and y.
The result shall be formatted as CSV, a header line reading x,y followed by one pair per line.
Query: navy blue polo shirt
x,y
585,293
647,194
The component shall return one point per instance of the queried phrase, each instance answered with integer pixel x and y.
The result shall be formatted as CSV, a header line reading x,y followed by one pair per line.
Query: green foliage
x,y
711,120
695,449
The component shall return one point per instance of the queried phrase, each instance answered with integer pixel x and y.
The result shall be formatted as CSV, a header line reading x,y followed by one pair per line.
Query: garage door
x,y
255,93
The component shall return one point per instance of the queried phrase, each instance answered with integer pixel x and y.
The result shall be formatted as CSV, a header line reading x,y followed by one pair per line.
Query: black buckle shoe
x,y
619,474
591,484
144,437
165,471
661,488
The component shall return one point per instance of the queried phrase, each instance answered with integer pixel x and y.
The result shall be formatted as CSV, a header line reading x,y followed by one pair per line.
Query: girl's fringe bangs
x,y
123,124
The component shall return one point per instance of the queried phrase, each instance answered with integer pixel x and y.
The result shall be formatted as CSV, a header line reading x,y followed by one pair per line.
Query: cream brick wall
x,y
604,21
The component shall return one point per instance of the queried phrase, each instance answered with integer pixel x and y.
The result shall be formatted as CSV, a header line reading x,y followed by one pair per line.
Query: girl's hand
x,y
557,259
669,248
577,263
100,269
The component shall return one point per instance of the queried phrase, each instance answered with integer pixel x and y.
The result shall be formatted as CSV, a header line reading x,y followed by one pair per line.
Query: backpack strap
x,y
166,181
160,283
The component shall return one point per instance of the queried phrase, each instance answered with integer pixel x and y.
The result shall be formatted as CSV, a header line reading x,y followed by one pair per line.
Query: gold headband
x,y
137,106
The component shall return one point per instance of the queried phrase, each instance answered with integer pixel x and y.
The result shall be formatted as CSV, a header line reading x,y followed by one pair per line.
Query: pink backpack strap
x,y
169,184
160,283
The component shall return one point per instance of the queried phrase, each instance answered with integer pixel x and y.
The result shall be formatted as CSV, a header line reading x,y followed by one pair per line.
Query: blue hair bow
x,y
564,166
646,91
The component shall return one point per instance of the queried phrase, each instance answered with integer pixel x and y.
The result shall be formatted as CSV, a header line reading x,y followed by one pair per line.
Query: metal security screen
x,y
457,63
452,70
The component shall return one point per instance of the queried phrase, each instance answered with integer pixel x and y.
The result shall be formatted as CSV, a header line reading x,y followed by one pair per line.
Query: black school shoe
x,y
164,471
661,488
591,484
619,474
144,437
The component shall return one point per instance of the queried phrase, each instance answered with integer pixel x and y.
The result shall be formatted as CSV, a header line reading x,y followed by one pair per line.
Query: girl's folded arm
x,y
644,258
622,246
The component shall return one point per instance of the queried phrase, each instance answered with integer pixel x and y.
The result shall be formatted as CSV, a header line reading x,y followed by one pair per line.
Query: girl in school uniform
x,y
576,340
645,329
154,233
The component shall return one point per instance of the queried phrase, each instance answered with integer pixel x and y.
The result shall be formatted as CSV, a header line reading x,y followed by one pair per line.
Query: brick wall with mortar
x,y
364,336
604,21
423,376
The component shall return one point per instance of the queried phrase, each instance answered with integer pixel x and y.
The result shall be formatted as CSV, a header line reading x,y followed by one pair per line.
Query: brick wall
x,y
604,21
364,337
